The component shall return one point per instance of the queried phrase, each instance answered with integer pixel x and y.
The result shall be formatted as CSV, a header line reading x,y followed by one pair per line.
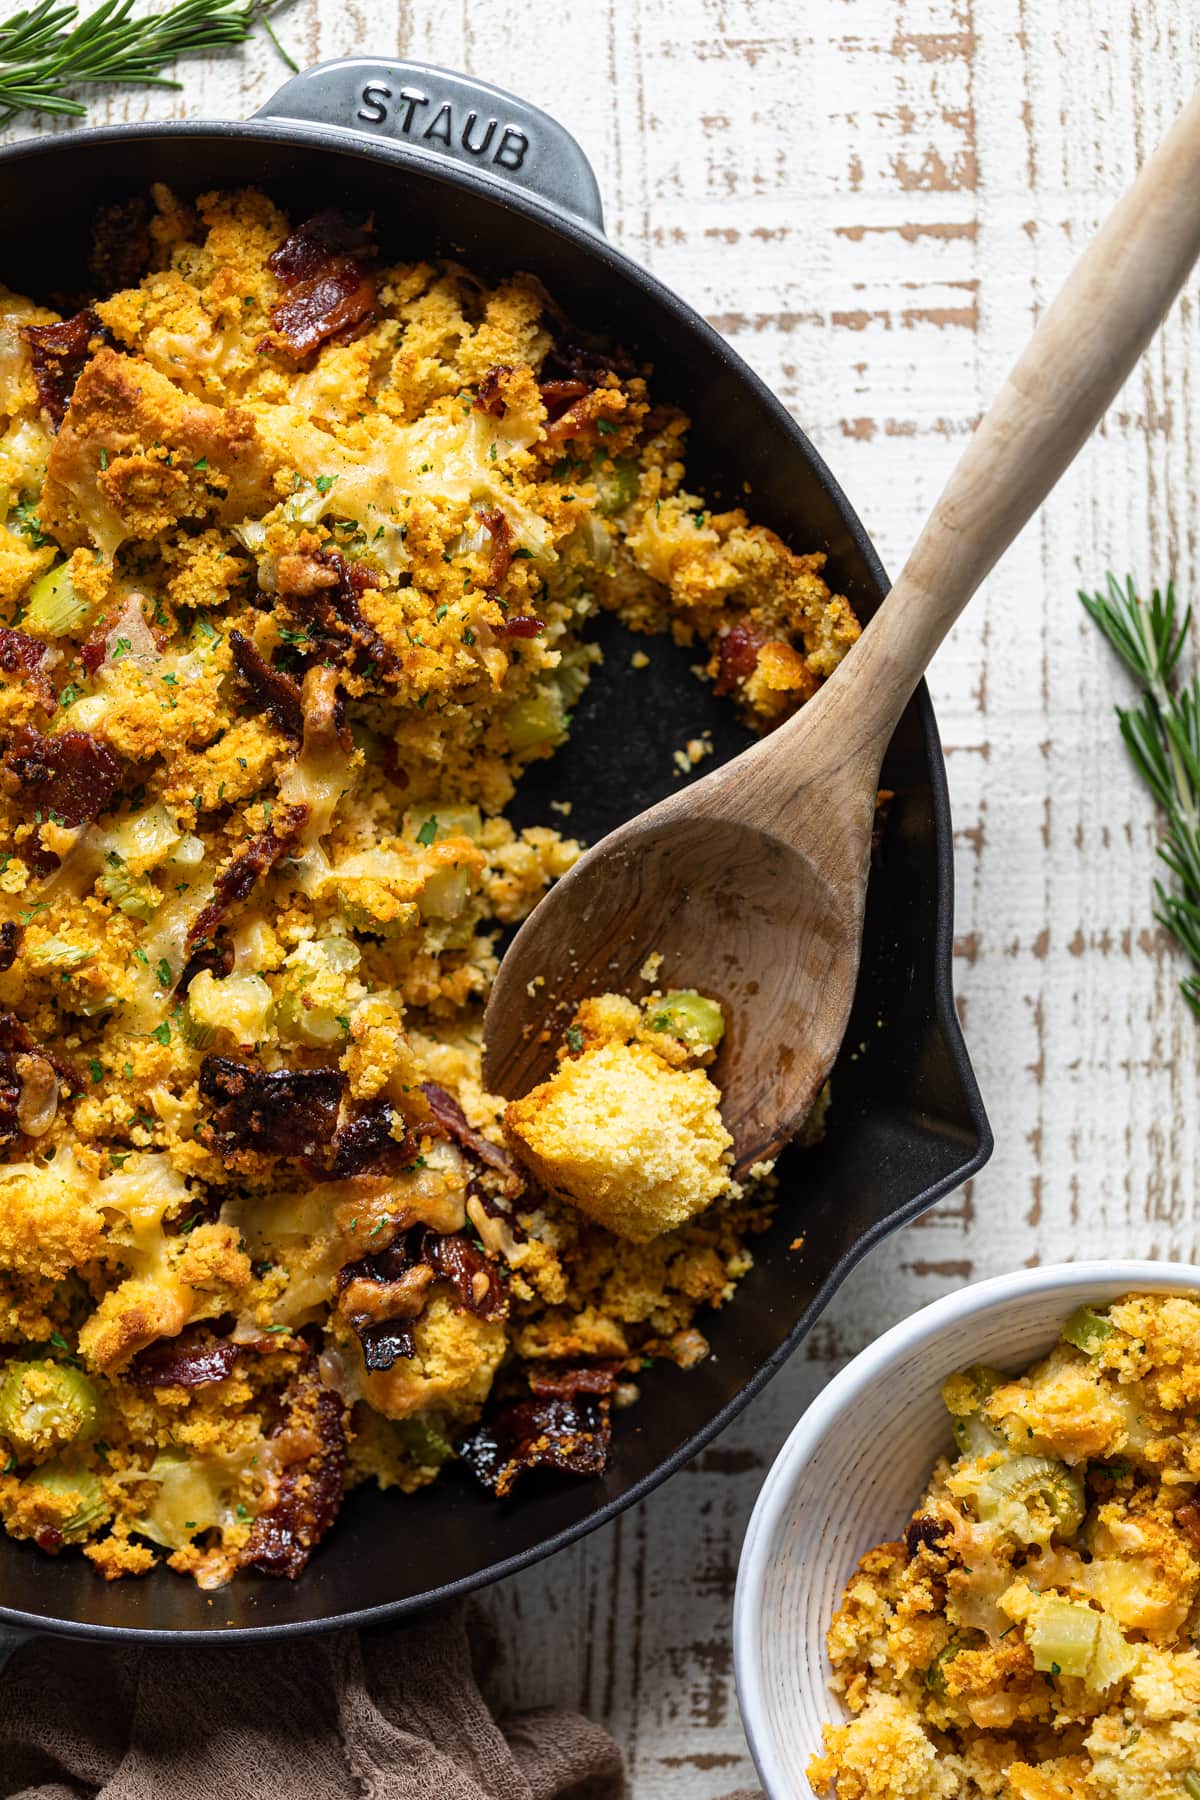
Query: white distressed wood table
x,y
872,199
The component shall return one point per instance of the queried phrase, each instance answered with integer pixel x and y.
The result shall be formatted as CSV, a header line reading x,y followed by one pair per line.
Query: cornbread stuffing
x,y
297,551
1034,1634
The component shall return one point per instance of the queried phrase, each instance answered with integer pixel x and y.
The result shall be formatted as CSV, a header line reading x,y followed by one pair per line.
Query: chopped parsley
x,y
574,1039
428,831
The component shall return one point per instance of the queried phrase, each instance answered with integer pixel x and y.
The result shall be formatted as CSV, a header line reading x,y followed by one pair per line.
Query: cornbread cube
x,y
633,1142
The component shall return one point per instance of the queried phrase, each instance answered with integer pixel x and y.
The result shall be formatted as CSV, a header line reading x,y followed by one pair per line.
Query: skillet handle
x,y
451,118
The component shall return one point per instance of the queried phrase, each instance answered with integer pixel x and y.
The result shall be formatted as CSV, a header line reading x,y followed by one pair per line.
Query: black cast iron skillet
x,y
449,165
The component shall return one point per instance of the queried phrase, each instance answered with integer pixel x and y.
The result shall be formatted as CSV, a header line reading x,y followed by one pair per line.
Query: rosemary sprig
x,y
1162,735
48,47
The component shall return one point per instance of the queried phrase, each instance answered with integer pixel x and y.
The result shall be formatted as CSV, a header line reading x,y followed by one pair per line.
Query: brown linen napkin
x,y
392,1714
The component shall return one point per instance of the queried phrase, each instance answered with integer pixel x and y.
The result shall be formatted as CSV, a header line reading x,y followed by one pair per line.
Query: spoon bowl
x,y
718,904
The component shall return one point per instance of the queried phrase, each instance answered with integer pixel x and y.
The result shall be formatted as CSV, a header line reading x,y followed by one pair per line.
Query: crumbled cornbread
x,y
297,550
619,1129
1034,1634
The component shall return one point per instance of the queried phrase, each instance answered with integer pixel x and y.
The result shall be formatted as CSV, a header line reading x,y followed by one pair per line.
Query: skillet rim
x,y
347,141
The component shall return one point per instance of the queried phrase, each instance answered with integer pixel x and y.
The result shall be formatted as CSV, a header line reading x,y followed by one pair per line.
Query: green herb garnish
x,y
1162,735
48,48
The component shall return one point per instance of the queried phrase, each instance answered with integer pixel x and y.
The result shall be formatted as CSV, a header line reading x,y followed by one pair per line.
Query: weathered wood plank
x,y
872,199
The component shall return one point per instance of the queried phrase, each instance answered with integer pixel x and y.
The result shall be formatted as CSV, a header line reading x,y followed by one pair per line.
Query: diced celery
x,y
93,1006
314,1007
965,1395
372,908
188,853
935,1674
143,839
1033,1498
239,1004
62,1479
446,892
1113,1658
1063,1637
1191,1785
537,718
57,953
339,954
688,1015
1087,1330
132,894
432,824
54,609
187,1502
424,1441
616,486
44,1405
975,1435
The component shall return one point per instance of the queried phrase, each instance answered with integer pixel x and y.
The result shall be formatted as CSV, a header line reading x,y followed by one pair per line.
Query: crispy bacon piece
x,y
380,1296
25,656
234,883
495,523
280,1112
1187,1517
559,396
298,1113
323,263
925,1531
278,694
217,958
570,360
364,1141
453,1123
330,611
310,1444
579,417
336,300
476,1280
71,776
521,625
548,1381
737,656
15,1036
121,245
327,234
196,1358
94,648
10,1099
10,938
24,1066
566,1427
488,396
59,353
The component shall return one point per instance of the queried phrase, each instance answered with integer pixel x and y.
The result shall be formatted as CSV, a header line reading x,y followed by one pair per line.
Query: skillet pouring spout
x,y
731,910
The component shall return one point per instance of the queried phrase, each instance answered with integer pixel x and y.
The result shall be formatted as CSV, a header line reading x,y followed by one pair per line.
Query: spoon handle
x,y
1066,376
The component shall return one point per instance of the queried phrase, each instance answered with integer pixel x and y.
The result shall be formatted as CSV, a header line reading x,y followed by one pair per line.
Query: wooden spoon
x,y
750,883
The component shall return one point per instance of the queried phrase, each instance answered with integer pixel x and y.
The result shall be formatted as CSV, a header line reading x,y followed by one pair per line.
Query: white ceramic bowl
x,y
852,1471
